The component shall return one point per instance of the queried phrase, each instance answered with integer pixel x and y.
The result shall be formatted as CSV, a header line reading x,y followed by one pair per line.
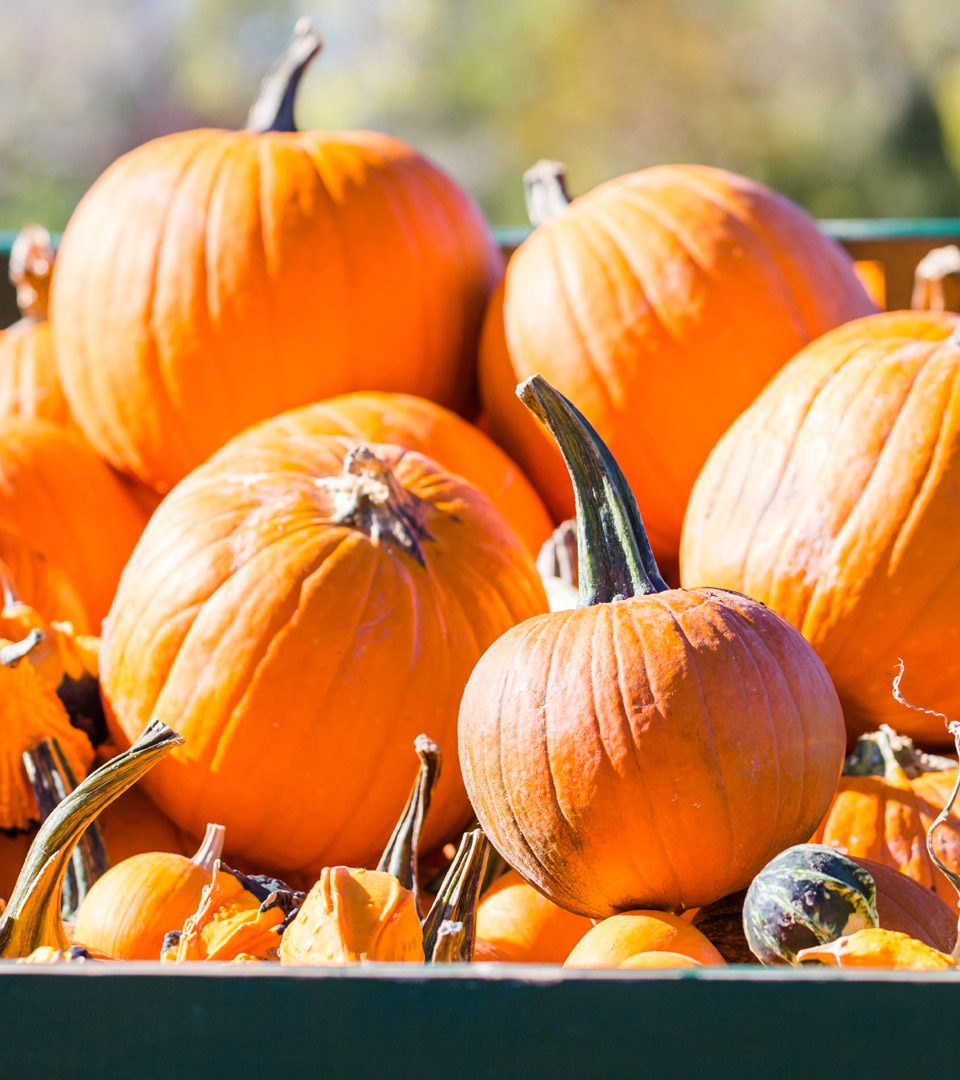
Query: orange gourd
x,y
661,302
833,500
29,385
619,938
876,948
58,493
653,747
354,916
518,925
212,278
328,603
417,424
128,911
887,799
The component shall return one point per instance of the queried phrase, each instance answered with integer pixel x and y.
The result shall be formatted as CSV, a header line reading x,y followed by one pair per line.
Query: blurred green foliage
x,y
852,108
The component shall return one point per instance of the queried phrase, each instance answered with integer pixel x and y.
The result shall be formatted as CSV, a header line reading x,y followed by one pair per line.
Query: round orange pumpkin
x,y
833,499
517,925
417,424
616,940
652,748
301,609
661,302
56,491
29,385
212,278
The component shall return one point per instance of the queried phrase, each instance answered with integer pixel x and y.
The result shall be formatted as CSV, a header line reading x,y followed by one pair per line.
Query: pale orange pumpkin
x,y
212,278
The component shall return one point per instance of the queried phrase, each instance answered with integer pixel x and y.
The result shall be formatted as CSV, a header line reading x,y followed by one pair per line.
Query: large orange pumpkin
x,y
661,302
301,609
58,493
211,278
834,500
417,424
29,385
652,748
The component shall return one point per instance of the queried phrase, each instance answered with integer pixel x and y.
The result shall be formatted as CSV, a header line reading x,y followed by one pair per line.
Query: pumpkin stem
x,y
614,558
32,917
211,847
935,272
400,855
879,753
558,555
12,654
31,265
456,903
273,109
52,780
367,496
545,191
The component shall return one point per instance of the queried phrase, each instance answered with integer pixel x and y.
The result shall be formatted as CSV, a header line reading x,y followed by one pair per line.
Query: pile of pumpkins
x,y
294,439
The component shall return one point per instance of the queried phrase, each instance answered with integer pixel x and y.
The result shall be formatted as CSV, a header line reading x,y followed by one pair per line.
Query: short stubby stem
x,y
274,107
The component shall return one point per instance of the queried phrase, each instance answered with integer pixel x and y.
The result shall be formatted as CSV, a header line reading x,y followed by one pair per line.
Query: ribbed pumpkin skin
x,y
681,286
56,491
299,657
29,384
38,582
210,279
834,500
417,424
652,752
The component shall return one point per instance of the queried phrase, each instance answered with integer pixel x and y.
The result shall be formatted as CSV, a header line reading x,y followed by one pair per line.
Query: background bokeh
x,y
851,108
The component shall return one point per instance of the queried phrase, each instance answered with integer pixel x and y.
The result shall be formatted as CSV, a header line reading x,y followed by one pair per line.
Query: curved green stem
x,y
879,753
400,855
450,928
273,109
545,191
614,557
32,917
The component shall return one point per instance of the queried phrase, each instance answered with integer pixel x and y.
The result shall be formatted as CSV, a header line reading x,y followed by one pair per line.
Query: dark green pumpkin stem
x,y
32,917
455,907
545,191
614,557
400,855
879,753
273,109
52,780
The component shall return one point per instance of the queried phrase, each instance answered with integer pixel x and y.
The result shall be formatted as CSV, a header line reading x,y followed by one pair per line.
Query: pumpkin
x,y
808,894
654,747
647,960
417,424
128,911
906,906
354,916
58,493
833,499
887,799
29,385
876,948
31,919
518,925
328,603
615,940
661,302
210,279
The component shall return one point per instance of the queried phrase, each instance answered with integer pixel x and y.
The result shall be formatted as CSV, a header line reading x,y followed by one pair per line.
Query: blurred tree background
x,y
852,109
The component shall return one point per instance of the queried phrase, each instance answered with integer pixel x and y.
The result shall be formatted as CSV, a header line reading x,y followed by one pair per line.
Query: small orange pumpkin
x,y
128,911
518,925
648,960
615,940
29,385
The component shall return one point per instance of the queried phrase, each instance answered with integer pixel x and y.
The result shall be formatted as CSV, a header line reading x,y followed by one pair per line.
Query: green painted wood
x,y
388,1021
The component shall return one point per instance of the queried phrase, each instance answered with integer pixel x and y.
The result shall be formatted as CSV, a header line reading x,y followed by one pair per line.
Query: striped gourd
x,y
808,895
